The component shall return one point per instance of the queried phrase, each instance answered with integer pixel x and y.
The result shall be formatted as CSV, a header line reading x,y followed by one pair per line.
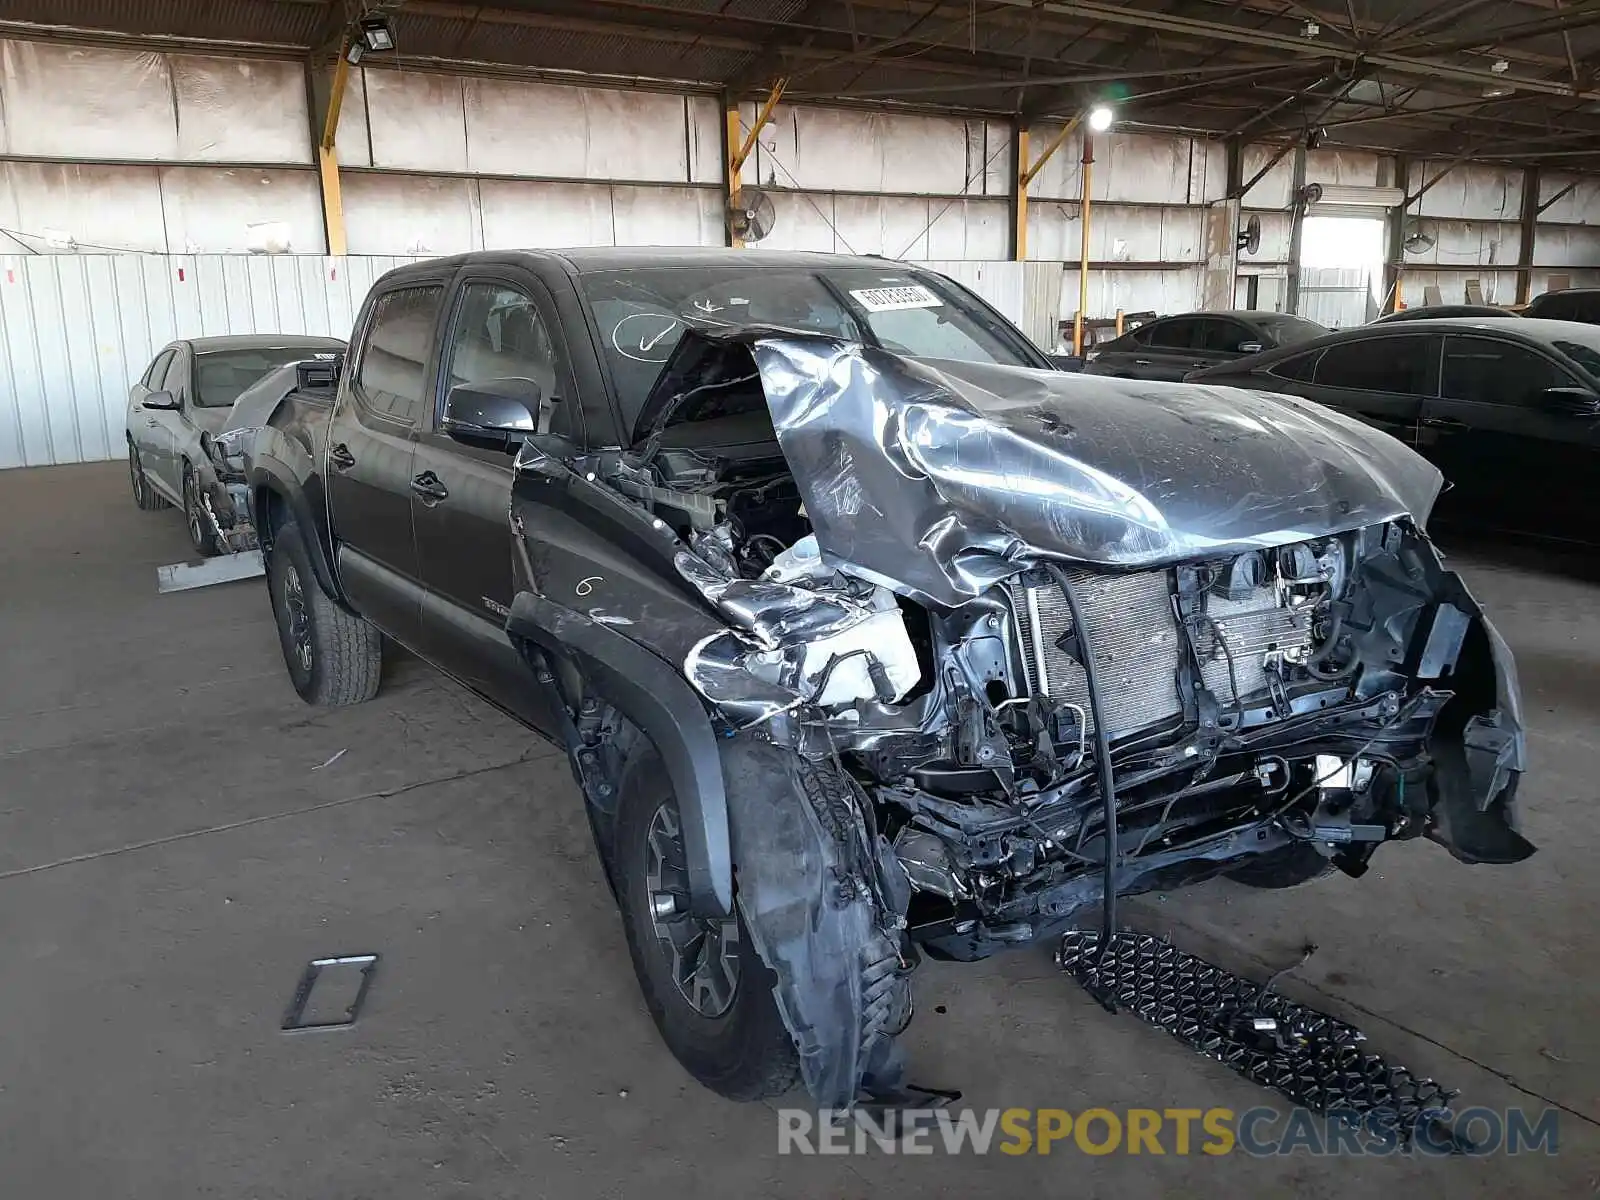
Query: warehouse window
x,y
394,361
1489,371
1399,365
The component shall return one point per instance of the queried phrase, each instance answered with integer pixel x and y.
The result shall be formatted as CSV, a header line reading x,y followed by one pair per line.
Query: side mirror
x,y
1569,401
1251,347
492,414
164,400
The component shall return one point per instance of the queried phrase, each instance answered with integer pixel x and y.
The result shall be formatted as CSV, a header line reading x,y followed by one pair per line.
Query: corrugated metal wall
x,y
77,329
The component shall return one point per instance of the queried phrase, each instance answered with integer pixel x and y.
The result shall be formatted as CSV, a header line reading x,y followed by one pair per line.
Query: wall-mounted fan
x,y
1249,238
1417,242
752,215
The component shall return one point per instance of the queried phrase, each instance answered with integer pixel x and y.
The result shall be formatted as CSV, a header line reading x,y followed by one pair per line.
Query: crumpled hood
x,y
936,479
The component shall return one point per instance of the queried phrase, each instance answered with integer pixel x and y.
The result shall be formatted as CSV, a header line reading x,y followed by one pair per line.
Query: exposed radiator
x,y
1134,633
1253,630
1134,636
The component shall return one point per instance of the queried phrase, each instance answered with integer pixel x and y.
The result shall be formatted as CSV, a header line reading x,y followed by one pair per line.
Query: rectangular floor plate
x,y
225,568
331,992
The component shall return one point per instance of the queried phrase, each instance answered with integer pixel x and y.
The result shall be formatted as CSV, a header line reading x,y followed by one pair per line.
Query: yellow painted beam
x,y
328,155
741,144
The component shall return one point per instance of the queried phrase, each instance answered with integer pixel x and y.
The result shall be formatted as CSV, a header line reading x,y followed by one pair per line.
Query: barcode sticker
x,y
886,299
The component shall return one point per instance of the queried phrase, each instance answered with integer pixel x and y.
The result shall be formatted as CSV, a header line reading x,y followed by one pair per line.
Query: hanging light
x,y
1100,118
377,34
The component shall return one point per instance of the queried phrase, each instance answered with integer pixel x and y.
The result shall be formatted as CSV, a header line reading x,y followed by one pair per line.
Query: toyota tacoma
x,y
868,635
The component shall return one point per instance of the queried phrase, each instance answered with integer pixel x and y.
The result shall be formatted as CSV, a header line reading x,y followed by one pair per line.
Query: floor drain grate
x,y
1309,1057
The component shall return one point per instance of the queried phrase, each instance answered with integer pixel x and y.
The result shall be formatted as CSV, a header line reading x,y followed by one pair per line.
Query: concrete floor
x,y
171,855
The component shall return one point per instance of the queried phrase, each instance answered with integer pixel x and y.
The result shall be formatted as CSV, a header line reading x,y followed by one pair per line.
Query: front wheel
x,y
707,989
201,535
334,657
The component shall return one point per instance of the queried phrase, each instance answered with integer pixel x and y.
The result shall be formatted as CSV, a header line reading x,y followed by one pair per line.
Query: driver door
x,y
501,328
162,432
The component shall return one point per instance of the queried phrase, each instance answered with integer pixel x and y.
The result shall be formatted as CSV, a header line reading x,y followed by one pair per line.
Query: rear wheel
x,y
145,496
707,989
1286,867
334,657
201,536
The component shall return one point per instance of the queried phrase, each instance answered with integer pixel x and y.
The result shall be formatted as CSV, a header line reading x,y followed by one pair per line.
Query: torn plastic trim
x,y
814,916
936,480
654,696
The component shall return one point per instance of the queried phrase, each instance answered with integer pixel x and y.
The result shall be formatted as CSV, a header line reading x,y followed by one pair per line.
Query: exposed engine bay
x,y
1284,694
1057,640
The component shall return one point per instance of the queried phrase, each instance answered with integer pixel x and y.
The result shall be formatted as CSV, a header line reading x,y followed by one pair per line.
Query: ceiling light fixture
x,y
1100,118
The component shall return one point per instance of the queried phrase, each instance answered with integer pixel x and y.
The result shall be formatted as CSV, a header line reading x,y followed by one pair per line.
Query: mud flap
x,y
808,901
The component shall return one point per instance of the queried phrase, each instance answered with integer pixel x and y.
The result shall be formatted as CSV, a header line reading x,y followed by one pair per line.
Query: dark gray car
x,y
187,391
1174,346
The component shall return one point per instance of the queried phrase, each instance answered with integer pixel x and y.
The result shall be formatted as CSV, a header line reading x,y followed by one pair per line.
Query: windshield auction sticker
x,y
887,299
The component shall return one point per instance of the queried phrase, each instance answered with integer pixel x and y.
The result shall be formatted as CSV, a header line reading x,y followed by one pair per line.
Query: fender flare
x,y
263,478
654,696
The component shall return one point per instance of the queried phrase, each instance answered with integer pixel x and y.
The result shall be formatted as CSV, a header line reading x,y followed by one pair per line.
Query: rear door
x,y
1513,463
371,441
1220,341
503,326
1381,380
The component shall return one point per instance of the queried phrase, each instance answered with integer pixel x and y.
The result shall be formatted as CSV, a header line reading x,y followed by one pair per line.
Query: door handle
x,y
339,455
1142,362
1444,423
151,423
427,486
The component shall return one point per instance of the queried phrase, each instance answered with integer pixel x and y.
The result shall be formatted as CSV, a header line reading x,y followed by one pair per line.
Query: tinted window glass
x,y
1182,334
1301,368
1398,364
1587,357
157,370
220,375
176,380
394,362
1283,329
499,334
1494,372
1224,337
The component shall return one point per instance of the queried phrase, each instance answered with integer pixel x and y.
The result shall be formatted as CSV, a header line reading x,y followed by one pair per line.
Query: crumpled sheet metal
x,y
940,481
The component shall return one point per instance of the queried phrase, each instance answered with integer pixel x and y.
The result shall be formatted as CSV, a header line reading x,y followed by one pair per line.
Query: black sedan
x,y
1172,347
1507,407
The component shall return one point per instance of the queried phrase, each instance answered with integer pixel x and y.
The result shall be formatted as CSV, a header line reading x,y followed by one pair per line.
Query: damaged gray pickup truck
x,y
868,635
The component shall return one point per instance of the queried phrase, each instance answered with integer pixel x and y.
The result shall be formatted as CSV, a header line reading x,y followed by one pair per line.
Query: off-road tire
x,y
746,1054
194,517
1286,867
145,496
345,653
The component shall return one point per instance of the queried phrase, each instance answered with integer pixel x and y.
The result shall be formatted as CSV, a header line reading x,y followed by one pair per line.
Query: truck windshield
x,y
641,312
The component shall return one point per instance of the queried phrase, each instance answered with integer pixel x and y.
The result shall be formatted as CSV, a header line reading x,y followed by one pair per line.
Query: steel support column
x,y
1530,230
1083,245
1395,241
1297,220
1019,193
